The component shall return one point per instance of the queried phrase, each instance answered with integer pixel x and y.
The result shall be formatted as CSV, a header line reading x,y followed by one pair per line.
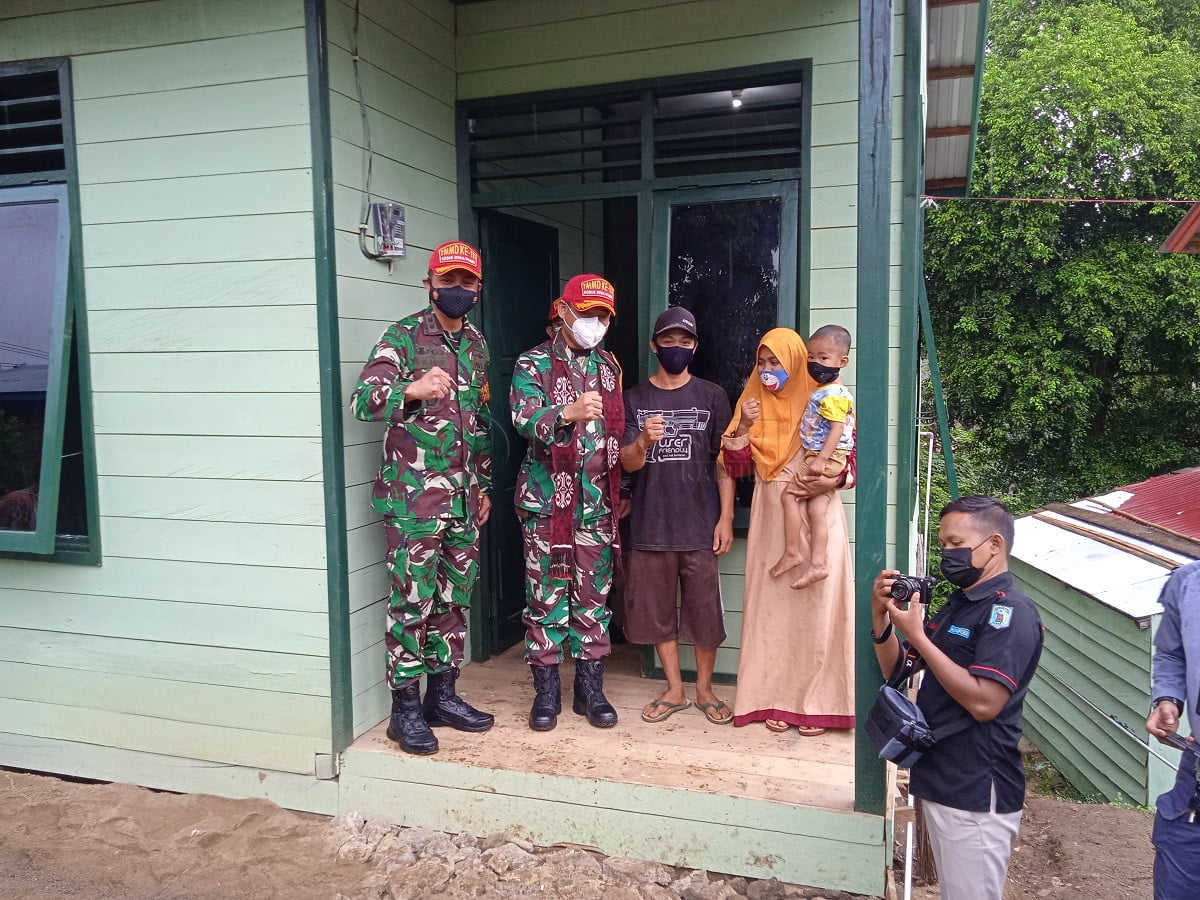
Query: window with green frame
x,y
47,460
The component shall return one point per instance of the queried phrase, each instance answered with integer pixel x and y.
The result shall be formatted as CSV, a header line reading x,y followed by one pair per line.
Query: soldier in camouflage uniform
x,y
566,401
427,378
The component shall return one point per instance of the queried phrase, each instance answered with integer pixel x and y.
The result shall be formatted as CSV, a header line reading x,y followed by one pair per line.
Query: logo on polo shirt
x,y
959,631
1001,616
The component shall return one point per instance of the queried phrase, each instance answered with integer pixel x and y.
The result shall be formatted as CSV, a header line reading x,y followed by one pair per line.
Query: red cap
x,y
553,314
584,292
455,255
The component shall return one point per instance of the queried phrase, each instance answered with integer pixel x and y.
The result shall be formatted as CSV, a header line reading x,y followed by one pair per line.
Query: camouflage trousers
x,y
433,565
574,609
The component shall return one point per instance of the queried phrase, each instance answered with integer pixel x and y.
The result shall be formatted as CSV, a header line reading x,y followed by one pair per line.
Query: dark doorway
x,y
520,264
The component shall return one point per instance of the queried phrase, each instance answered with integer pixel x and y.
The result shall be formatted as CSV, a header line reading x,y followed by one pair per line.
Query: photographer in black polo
x,y
979,651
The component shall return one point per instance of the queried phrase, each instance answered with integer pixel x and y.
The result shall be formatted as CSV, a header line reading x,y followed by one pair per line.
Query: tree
x,y
1070,346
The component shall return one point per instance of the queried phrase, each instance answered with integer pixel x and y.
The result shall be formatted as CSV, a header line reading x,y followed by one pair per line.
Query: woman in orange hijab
x,y
796,665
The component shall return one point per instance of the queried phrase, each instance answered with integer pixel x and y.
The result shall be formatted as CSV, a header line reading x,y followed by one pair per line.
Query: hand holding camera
x,y
892,590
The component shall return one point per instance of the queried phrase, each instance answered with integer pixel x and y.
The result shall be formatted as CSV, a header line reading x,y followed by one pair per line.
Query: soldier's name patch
x,y
1001,616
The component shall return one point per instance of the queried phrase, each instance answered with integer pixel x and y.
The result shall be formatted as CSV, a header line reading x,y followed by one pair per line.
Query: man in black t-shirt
x,y
980,651
682,516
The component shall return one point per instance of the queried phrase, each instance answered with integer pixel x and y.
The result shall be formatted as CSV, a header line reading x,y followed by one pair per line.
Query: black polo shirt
x,y
994,631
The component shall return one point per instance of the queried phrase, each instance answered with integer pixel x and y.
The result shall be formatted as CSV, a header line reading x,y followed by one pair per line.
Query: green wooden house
x,y
191,580
1095,569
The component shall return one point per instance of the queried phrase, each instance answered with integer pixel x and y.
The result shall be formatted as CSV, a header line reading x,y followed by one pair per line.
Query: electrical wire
x,y
1092,200
368,152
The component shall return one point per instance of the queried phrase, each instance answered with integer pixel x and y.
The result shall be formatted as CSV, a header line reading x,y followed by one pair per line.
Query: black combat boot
x,y
589,694
548,702
408,727
444,707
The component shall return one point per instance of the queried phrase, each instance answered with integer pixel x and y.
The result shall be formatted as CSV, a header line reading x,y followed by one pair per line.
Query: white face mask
x,y
588,331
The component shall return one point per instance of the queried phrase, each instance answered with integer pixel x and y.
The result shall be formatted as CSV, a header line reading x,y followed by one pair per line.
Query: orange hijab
x,y
775,436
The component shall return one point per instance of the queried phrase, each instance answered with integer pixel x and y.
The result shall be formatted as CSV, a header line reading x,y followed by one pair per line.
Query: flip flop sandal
x,y
777,726
671,708
810,730
712,712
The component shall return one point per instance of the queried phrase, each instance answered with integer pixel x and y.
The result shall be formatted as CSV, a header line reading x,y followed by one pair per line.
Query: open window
x,y
47,474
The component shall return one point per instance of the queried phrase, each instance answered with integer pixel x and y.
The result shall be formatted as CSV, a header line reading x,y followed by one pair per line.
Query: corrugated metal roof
x,y
1169,501
27,379
953,70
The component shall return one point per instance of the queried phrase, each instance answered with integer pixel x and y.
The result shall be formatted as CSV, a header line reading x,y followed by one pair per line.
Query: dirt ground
x,y
62,839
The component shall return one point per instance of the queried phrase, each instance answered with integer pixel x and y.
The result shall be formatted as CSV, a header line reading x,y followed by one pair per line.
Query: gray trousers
x,y
971,849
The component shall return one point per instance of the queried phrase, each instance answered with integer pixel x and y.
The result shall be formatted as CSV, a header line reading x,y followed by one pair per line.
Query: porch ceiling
x,y
954,71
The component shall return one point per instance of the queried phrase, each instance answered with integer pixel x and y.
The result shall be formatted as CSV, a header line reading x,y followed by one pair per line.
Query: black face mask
x,y
822,374
957,567
674,359
454,302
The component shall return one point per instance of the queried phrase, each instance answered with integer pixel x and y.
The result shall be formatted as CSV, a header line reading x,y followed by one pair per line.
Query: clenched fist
x,y
588,407
652,431
433,385
750,409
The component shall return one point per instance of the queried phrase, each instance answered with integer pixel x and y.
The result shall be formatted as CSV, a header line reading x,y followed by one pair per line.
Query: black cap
x,y
675,317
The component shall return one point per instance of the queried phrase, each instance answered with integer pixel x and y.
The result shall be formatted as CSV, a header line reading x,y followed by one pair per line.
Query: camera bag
x,y
896,725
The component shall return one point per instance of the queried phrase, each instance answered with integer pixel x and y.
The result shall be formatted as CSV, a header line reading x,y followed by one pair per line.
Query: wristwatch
x,y
1178,703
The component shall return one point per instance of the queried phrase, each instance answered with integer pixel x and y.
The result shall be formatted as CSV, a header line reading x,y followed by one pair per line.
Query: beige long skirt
x,y
797,650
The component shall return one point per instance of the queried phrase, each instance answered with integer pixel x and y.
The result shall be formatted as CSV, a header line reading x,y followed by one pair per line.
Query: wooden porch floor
x,y
684,753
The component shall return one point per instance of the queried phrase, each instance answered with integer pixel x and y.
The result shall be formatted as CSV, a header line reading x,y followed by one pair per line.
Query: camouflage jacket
x,y
535,414
437,454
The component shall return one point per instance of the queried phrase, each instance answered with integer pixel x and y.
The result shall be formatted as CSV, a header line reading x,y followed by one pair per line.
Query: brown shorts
x,y
835,465
674,595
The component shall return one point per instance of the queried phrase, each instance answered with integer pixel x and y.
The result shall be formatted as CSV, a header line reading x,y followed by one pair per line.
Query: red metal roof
x,y
1186,236
1169,501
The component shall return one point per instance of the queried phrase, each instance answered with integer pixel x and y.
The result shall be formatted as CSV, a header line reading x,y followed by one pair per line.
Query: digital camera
x,y
906,585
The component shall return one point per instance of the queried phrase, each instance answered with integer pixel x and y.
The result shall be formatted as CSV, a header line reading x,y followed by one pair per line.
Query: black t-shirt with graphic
x,y
675,501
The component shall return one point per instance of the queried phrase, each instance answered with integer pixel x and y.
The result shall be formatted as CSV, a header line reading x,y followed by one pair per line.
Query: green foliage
x,y
1070,346
12,475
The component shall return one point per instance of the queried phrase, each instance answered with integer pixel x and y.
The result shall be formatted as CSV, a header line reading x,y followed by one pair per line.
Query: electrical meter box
x,y
387,220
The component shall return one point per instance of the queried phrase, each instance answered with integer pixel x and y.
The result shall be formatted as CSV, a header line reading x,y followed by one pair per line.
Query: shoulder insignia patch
x,y
1001,616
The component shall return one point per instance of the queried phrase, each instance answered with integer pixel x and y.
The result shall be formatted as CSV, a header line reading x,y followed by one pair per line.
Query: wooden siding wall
x,y
515,46
406,71
204,634
1103,655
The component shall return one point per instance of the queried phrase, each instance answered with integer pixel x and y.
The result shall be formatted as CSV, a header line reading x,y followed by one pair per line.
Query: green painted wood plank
x,y
288,546
656,27
236,746
1092,632
167,773
214,499
191,155
838,42
371,706
367,625
363,456
500,16
240,628
161,200
202,110
440,11
127,25
832,289
837,82
1095,781
403,21
368,585
393,179
287,673
252,283
367,545
259,587
356,338
394,55
1076,605
358,499
1096,666
744,850
279,236
837,206
282,415
671,803
388,94
247,328
286,371
379,301
203,456
243,57
726,664
393,138
15,9
368,666
202,704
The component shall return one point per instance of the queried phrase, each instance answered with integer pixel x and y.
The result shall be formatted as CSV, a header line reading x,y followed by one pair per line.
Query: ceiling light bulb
x,y
737,98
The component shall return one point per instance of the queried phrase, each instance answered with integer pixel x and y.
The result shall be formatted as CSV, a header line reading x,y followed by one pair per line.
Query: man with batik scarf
x,y
566,401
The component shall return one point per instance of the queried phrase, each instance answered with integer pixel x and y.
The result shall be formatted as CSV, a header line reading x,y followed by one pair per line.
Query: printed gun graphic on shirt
x,y
677,420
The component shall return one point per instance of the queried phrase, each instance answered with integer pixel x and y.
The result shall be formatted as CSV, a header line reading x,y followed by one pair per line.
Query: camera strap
x,y
906,666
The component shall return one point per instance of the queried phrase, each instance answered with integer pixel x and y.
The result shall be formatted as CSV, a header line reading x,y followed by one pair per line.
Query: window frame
x,y
70,334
